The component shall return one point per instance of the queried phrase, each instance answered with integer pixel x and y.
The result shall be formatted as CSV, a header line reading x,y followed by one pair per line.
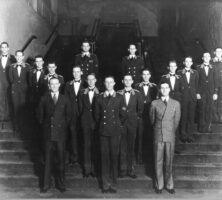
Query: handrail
x,y
94,27
139,32
51,34
28,42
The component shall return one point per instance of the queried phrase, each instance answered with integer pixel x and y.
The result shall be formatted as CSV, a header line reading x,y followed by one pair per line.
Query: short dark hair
x,y
51,62
133,44
145,69
19,51
77,66
172,61
188,57
39,56
85,41
163,82
54,78
5,43
109,76
91,74
127,75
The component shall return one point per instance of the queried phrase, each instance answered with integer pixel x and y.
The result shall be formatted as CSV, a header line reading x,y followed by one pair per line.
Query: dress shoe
x,y
112,190
122,174
92,174
62,189
209,130
132,175
106,190
44,190
171,191
86,175
158,191
177,152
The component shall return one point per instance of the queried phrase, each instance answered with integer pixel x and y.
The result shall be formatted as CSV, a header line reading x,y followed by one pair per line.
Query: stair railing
x,y
33,37
52,33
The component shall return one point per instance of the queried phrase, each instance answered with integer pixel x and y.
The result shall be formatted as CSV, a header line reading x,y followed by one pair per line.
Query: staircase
x,y
199,166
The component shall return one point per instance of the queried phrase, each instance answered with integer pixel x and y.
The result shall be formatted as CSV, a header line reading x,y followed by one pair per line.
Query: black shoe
x,y
86,175
177,152
62,189
171,191
158,191
44,190
183,140
132,175
112,190
106,190
122,174
92,174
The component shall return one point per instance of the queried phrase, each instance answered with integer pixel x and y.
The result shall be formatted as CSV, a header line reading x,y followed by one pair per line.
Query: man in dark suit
x,y
189,83
5,61
107,115
131,111
87,61
54,116
148,92
72,91
19,80
132,64
165,117
87,108
52,74
217,62
206,93
37,84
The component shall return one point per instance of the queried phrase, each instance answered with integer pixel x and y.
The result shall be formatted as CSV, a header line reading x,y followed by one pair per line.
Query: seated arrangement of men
x,y
96,127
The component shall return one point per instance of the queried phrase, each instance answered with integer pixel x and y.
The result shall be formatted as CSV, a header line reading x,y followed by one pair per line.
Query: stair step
x,y
17,155
198,182
190,147
208,137
6,133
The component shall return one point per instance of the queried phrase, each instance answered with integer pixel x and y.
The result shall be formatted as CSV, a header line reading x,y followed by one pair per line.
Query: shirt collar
x,y
86,54
163,98
55,93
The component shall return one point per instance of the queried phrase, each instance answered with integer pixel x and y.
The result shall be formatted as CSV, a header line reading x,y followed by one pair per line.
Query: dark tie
x,y
54,98
172,74
38,70
4,55
128,91
91,90
77,81
50,76
187,71
146,84
165,102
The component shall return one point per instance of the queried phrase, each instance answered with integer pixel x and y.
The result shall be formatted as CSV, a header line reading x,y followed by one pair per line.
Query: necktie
x,y
54,98
165,102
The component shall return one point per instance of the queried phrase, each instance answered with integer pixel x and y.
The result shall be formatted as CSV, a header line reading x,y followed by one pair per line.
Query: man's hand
x,y
198,96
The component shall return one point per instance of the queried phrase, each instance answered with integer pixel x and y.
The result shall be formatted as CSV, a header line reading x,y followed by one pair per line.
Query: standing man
x,y
189,83
87,61
206,93
87,108
132,64
131,111
37,85
19,79
107,115
72,91
52,74
148,92
217,62
5,61
54,116
165,117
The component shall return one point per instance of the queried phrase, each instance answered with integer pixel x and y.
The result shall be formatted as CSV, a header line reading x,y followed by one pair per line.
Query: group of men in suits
x,y
103,127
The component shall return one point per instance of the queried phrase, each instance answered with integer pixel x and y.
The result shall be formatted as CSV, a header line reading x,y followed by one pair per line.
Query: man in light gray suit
x,y
164,116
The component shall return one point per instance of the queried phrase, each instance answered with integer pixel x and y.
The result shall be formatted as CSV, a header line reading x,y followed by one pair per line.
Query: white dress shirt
x,y
145,89
91,94
109,93
55,95
4,61
188,75
19,68
38,74
132,56
172,81
206,68
127,97
76,87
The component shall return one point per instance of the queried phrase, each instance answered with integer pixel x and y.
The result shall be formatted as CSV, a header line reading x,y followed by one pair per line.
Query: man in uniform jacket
x,y
107,115
87,61
217,62
165,117
132,64
72,91
19,80
131,111
54,116
87,109
148,92
5,61
206,93
189,83
52,74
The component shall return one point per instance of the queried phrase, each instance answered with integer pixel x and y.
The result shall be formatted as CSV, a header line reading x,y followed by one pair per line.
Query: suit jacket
x,y
207,84
176,92
133,111
19,83
165,119
73,98
218,67
189,90
46,83
54,118
87,109
88,64
133,67
151,95
4,78
107,114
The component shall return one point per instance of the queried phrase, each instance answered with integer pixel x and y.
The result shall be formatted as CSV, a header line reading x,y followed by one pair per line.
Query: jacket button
x,y
104,110
51,125
104,116
104,123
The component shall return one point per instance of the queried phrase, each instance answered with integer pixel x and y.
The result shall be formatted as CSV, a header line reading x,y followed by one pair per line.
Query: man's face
x,y
206,57
164,89
54,85
218,53
39,63
85,47
127,81
188,63
91,80
52,68
146,76
172,67
19,57
77,73
4,49
132,49
109,83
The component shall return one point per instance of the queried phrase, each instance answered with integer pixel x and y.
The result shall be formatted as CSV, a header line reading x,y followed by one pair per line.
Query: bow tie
x,y
187,71
206,65
145,84
91,90
18,66
172,74
128,91
77,81
50,76
39,70
4,55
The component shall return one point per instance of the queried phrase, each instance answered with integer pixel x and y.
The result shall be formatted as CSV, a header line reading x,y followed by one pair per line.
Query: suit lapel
x,y
168,108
